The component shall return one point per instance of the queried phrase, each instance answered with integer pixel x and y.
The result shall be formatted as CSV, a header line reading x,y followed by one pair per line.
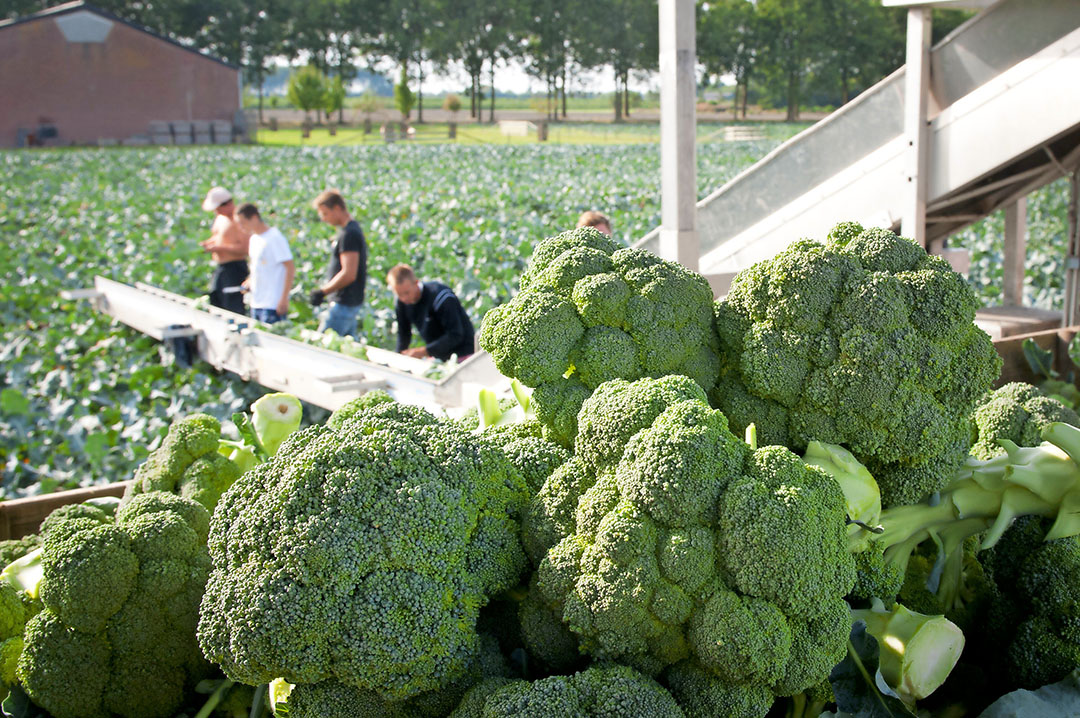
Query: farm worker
x,y
228,246
347,272
272,266
592,218
435,311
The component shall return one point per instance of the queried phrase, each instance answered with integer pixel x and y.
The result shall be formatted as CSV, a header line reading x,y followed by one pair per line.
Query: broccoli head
x,y
116,633
362,553
1017,412
690,545
864,341
589,312
596,692
187,463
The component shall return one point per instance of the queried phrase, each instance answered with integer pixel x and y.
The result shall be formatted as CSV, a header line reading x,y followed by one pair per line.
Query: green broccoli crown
x,y
116,634
690,545
187,463
393,524
545,636
1017,412
1037,601
864,341
12,611
589,312
596,692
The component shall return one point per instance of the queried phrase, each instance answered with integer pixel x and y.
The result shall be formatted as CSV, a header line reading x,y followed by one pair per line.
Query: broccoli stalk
x,y
916,652
25,573
273,417
983,498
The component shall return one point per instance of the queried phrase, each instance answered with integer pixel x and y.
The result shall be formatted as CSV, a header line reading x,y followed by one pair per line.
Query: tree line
x,y
784,50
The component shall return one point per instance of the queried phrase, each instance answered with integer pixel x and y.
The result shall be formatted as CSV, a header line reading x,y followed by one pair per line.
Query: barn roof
x,y
82,6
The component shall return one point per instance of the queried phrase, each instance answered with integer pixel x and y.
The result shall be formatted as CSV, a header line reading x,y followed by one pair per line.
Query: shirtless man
x,y
228,246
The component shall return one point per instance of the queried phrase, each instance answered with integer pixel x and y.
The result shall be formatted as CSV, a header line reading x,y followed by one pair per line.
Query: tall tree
x,y
792,36
865,44
728,38
408,32
628,37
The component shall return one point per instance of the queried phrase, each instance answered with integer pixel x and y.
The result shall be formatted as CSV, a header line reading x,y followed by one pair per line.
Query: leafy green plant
x,y
307,89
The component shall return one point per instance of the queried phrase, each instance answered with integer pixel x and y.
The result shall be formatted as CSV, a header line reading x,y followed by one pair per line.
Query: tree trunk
x,y
564,91
472,95
420,93
626,92
844,97
260,99
793,97
618,99
491,67
745,93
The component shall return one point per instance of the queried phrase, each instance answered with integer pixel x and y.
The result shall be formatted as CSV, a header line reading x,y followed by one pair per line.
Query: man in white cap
x,y
228,246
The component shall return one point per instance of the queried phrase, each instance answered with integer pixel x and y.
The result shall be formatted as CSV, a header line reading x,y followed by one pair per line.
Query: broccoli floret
x,y
545,636
361,403
116,634
597,692
865,342
691,545
394,524
701,694
187,463
531,454
589,312
1017,412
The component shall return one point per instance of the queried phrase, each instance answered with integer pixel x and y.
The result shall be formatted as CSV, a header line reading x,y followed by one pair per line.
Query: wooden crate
x,y
1015,367
19,517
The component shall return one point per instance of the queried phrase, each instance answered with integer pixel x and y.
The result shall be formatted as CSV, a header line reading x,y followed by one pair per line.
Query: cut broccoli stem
x,y
215,698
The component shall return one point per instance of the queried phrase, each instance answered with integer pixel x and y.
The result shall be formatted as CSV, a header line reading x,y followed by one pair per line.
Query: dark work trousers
x,y
229,275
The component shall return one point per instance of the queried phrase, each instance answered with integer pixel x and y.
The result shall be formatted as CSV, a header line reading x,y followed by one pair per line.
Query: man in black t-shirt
x,y
435,311
347,272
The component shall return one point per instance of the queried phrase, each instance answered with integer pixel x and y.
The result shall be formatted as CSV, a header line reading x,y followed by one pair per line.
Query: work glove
x,y
317,297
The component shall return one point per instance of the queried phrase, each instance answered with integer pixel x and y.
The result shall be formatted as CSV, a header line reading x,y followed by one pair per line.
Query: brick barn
x,y
76,74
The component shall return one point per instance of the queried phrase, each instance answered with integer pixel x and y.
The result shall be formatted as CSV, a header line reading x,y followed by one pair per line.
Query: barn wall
x,y
108,89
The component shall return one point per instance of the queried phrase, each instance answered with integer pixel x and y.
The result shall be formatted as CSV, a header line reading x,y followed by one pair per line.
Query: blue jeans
x,y
342,319
266,316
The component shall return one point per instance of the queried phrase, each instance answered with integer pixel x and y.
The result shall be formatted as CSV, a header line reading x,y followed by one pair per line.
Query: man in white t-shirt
x,y
272,267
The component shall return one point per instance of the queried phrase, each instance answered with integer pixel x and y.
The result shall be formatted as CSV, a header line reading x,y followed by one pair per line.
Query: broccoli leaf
x,y
856,682
18,705
1040,360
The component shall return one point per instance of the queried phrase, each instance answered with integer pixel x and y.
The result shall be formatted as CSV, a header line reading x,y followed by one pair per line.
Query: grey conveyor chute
x,y
231,342
1004,119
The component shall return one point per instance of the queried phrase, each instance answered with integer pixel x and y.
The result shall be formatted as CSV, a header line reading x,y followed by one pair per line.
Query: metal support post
x,y
916,94
1015,253
678,126
1072,260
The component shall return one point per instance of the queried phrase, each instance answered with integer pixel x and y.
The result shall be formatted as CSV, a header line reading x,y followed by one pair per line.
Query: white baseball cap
x,y
216,197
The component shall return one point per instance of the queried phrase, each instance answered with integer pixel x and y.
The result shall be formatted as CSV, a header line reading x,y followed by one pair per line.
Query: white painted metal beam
x,y
916,130
678,127
1015,253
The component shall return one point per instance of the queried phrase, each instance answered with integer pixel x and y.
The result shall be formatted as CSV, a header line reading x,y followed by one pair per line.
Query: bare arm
x,y
350,265
290,273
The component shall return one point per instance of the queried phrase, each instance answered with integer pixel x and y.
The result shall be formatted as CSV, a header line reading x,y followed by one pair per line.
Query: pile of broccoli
x,y
589,312
1017,412
114,604
864,341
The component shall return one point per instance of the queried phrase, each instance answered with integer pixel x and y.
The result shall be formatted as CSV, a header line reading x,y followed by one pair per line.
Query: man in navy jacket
x,y
435,311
